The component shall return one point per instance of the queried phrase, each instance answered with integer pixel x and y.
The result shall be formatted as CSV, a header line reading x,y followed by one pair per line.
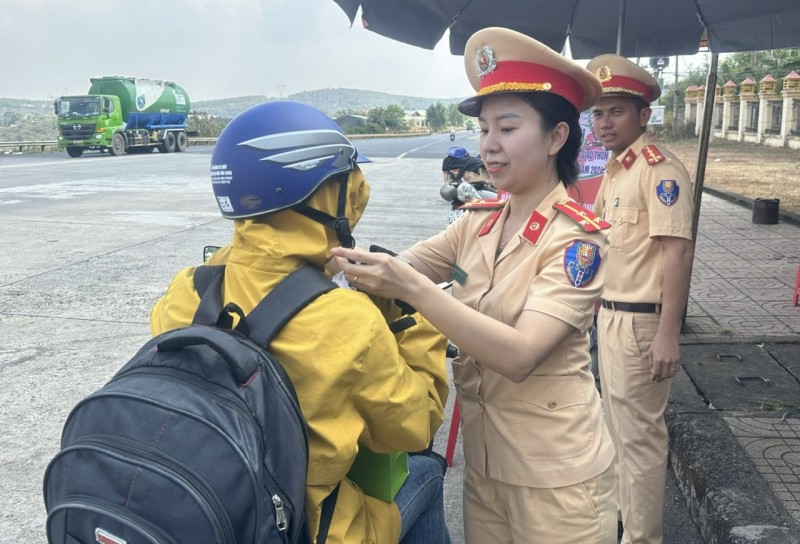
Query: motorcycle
x,y
465,179
452,135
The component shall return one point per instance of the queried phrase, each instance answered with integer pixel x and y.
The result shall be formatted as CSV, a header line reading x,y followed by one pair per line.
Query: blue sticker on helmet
x,y
581,262
667,192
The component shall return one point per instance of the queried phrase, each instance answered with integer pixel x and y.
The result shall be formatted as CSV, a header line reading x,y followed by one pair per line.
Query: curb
x,y
730,510
785,216
728,498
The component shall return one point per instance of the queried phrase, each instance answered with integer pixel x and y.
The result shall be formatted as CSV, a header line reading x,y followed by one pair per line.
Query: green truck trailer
x,y
122,114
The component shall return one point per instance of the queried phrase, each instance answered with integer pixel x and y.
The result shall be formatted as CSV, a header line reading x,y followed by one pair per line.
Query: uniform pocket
x,y
643,330
624,231
551,417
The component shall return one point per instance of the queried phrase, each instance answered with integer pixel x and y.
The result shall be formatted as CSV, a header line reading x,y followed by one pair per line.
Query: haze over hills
x,y
27,120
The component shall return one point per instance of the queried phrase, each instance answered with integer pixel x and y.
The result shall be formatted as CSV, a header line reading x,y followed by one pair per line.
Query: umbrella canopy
x,y
649,28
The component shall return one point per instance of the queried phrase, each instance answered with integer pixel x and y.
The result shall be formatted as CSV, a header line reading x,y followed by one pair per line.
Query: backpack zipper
x,y
156,461
151,532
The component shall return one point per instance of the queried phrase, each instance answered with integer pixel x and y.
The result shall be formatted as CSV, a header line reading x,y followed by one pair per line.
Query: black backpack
x,y
198,438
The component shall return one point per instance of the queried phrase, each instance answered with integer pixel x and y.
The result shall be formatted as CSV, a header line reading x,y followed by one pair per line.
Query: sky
x,y
211,48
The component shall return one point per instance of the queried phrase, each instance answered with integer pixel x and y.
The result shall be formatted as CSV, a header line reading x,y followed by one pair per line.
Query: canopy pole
x,y
621,25
705,134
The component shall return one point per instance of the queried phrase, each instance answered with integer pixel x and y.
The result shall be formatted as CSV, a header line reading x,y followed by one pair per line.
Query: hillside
x,y
331,101
26,120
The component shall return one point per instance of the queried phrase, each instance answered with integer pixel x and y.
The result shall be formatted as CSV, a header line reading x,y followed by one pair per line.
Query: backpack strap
x,y
208,284
328,505
290,296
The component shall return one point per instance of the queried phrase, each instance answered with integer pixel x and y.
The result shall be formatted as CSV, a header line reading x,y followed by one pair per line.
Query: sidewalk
x,y
735,452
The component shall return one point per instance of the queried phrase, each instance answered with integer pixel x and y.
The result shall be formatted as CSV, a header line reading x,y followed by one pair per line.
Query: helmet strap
x,y
339,224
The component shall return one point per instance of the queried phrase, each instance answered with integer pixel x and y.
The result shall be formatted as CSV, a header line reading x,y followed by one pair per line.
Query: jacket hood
x,y
294,239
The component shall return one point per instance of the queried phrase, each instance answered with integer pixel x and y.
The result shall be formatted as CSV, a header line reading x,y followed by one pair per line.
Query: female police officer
x,y
526,277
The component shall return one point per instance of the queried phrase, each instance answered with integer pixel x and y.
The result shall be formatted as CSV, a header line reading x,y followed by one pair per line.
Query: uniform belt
x,y
638,307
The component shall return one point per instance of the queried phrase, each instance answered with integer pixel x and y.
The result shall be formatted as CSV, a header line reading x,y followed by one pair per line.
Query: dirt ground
x,y
751,170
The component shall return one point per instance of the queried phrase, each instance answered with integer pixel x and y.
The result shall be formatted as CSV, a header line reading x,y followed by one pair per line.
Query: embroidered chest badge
x,y
667,192
581,262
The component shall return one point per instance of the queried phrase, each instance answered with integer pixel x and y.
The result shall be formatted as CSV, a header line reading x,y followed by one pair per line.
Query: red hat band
x,y
626,85
518,76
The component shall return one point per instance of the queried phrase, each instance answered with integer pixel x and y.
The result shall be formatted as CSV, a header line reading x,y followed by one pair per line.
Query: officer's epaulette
x,y
652,155
583,217
483,204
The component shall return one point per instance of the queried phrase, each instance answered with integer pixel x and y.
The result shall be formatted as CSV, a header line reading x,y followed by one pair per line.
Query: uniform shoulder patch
x,y
483,204
588,221
667,192
652,155
581,262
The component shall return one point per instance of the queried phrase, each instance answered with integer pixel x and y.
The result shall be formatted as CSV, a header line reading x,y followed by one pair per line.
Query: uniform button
x,y
551,405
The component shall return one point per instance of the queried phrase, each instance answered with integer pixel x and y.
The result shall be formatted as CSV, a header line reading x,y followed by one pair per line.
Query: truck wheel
x,y
117,145
75,151
182,142
169,142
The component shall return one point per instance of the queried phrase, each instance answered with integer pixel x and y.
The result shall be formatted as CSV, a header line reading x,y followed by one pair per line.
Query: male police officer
x,y
646,195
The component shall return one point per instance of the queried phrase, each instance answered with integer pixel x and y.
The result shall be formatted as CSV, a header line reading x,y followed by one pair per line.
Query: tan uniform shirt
x,y
642,200
547,431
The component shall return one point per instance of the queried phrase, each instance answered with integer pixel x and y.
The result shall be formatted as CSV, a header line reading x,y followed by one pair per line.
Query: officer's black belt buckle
x,y
637,307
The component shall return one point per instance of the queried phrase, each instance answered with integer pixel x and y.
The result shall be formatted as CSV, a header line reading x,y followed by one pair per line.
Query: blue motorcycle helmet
x,y
274,156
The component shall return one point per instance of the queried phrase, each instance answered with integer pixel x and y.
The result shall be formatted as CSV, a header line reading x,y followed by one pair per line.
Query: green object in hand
x,y
379,475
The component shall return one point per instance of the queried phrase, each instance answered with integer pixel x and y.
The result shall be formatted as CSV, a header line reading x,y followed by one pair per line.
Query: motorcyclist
x,y
452,134
465,179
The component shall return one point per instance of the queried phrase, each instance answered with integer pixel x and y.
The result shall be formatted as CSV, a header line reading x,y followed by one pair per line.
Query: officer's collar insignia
x,y
581,262
487,227
668,191
533,230
485,60
628,159
603,73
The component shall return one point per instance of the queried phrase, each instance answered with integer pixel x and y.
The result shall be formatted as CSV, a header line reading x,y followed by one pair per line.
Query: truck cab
x,y
87,122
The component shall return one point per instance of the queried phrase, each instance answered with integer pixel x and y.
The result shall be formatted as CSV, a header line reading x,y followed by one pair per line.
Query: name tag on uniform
x,y
459,275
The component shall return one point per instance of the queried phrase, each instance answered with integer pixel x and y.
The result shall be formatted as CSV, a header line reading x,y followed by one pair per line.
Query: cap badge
x,y
485,60
603,74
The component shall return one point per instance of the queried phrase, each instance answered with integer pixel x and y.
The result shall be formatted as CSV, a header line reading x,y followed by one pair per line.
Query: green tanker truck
x,y
122,114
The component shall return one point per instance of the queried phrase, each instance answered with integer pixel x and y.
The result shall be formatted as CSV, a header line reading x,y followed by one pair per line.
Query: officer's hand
x,y
665,357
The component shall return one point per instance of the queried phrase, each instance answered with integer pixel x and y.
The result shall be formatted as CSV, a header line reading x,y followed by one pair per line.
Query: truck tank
x,y
141,97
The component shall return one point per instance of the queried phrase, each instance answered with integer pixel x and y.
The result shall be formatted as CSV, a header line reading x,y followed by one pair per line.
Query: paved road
x,y
89,244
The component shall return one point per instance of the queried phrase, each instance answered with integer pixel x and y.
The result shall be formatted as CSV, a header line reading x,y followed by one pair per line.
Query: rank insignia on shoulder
x,y
581,262
668,191
652,155
588,221
483,204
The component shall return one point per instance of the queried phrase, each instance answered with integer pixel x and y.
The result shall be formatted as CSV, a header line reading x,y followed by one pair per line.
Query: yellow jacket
x,y
356,381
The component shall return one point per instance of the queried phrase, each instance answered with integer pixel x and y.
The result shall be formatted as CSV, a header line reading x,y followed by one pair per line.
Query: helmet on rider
x,y
275,156
454,164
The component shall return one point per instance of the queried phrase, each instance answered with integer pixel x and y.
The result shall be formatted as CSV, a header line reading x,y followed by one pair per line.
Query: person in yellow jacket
x,y
287,176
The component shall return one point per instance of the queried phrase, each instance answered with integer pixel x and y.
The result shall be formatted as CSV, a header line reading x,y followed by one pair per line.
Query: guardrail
x,y
42,145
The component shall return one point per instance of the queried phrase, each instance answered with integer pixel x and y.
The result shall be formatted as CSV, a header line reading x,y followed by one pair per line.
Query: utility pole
x,y
280,90
675,102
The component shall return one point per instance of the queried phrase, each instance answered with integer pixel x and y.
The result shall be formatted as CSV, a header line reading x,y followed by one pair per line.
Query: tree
x,y
437,116
454,117
757,64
